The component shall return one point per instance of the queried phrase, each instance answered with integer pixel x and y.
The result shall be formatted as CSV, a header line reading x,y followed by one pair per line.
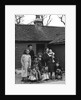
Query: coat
x,y
32,54
45,58
51,65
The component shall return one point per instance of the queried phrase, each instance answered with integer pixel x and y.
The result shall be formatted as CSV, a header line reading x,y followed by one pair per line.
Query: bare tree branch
x,y
18,18
61,18
31,22
49,20
44,16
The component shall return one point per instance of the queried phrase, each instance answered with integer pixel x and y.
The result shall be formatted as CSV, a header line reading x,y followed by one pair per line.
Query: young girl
x,y
36,66
35,73
26,63
45,75
32,75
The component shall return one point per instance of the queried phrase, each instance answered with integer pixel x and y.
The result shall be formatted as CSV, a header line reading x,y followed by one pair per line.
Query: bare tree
x,y
18,18
61,18
30,22
43,17
49,20
38,16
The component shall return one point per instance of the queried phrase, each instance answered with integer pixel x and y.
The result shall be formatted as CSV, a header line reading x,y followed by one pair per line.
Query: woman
x,y
51,64
26,64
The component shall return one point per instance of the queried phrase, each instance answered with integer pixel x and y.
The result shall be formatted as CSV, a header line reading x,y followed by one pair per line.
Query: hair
x,y
24,52
29,45
46,48
35,56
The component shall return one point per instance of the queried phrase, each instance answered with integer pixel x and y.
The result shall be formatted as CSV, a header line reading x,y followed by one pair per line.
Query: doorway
x,y
40,48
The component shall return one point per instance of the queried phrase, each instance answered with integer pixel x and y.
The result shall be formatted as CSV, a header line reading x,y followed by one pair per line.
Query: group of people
x,y
39,67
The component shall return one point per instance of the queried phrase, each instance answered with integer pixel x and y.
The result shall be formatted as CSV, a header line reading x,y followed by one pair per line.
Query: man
x,y
31,51
46,57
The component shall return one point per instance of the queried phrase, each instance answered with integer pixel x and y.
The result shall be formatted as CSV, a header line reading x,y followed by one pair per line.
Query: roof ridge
x,y
40,26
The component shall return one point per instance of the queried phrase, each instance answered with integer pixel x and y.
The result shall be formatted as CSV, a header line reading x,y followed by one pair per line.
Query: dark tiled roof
x,y
32,33
60,38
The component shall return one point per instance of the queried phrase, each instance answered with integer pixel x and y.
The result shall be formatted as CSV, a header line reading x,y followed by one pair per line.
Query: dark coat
x,y
51,65
45,58
32,54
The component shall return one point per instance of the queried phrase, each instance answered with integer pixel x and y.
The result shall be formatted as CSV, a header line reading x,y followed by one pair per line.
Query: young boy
x,y
58,73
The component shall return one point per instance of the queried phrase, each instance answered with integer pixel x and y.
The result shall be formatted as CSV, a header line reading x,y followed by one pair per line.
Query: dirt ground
x,y
18,81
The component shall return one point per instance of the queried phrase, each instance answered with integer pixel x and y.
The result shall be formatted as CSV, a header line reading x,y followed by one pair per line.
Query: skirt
x,y
25,72
51,67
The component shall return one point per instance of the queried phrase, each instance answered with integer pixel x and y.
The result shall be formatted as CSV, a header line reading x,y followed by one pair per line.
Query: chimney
x,y
39,20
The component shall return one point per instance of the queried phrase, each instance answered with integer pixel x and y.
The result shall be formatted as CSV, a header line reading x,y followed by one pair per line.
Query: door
x,y
40,48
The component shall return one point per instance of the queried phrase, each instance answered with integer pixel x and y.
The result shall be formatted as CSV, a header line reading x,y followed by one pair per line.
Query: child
x,y
58,73
26,63
32,75
45,75
40,63
35,73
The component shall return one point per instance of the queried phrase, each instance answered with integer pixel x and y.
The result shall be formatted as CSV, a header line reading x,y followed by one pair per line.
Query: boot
x,y
23,78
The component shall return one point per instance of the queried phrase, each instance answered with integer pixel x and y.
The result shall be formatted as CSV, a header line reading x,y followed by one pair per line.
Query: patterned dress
x,y
26,63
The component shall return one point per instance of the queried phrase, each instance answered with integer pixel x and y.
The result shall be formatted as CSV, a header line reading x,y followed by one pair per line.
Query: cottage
x,y
40,37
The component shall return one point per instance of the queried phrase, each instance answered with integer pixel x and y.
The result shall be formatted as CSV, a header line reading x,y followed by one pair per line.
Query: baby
x,y
51,54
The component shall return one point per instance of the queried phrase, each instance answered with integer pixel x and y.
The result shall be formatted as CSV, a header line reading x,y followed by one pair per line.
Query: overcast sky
x,y
55,20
